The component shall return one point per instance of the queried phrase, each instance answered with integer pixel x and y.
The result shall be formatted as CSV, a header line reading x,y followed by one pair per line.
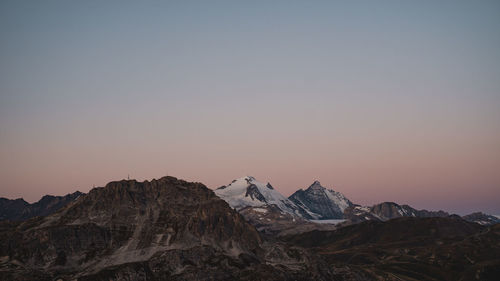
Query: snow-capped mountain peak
x,y
249,192
324,203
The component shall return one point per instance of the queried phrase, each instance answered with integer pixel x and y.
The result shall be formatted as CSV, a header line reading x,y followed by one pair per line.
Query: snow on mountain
x,y
248,192
320,202
482,218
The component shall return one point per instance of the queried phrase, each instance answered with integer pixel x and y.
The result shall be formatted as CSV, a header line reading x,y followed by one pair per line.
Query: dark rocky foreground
x,y
169,229
409,249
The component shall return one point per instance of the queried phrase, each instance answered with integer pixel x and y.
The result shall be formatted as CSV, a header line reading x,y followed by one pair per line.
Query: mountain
x,y
165,229
265,208
386,211
170,229
269,220
320,203
248,192
482,218
409,248
391,210
19,210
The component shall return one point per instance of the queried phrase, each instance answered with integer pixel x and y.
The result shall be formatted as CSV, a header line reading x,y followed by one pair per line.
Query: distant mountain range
x,y
317,203
258,201
170,229
18,209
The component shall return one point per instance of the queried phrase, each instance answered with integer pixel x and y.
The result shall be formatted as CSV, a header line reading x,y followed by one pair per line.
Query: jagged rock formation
x,y
320,203
165,229
19,210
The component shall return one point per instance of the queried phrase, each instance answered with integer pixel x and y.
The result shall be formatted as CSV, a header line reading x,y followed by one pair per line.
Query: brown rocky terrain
x,y
409,249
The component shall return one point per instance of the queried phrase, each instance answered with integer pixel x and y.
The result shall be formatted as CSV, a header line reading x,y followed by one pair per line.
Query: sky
x,y
380,100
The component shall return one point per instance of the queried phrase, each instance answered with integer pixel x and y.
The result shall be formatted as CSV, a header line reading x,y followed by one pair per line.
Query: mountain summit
x,y
320,202
316,202
248,192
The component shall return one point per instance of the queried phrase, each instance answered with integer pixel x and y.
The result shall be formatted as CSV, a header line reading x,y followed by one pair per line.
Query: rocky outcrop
x,y
19,210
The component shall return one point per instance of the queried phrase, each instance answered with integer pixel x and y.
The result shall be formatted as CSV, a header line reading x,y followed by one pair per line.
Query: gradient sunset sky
x,y
380,100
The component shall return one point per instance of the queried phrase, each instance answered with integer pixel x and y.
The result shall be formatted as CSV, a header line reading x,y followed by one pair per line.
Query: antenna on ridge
x,y
128,177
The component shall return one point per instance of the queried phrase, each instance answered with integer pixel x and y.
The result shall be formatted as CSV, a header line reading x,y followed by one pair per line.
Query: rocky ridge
x,y
19,210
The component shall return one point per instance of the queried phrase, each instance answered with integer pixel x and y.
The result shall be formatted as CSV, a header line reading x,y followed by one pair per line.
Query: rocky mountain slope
x,y
482,218
320,202
18,209
264,207
165,229
316,202
248,192
409,248
386,211
271,221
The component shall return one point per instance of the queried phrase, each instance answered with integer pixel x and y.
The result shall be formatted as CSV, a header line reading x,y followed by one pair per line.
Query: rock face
x,y
481,218
165,229
19,210
320,203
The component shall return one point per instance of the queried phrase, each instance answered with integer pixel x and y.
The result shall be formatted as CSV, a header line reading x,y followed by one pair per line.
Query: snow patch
x,y
260,210
332,221
338,198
